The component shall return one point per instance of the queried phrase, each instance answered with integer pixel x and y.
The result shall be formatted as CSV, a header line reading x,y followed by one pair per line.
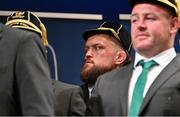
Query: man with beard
x,y
107,47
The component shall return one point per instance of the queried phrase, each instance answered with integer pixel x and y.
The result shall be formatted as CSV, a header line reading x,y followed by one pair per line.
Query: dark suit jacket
x,y
68,99
25,87
85,90
110,94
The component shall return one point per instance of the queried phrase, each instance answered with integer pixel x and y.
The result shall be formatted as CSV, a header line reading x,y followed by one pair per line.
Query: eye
x,y
98,47
85,50
134,18
151,17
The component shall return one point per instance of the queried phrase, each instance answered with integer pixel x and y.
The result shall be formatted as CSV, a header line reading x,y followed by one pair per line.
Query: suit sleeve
x,y
32,82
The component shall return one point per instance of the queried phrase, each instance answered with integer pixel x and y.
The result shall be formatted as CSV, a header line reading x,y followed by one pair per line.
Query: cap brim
x,y
156,2
89,33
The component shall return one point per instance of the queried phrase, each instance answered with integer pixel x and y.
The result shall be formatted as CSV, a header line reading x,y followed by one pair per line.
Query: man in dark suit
x,y
107,47
126,91
68,99
66,95
26,87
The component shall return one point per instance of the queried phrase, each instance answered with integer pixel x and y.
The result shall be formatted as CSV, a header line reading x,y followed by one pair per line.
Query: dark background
x,y
65,35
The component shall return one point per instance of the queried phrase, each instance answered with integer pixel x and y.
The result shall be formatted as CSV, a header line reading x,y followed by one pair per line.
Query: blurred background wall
x,y
66,20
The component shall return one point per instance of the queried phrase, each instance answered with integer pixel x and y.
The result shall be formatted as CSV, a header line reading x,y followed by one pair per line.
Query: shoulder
x,y
7,30
15,34
176,60
178,56
59,86
113,78
18,39
114,74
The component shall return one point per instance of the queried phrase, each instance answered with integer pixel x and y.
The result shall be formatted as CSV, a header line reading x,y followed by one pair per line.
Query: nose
x,y
142,25
89,53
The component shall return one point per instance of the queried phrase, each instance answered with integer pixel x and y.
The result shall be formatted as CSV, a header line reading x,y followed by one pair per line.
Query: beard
x,y
89,76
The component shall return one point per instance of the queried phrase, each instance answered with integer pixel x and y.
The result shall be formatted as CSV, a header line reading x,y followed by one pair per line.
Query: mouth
x,y
88,61
87,65
142,36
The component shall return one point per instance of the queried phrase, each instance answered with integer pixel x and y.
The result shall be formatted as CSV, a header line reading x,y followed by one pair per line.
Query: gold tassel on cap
x,y
44,34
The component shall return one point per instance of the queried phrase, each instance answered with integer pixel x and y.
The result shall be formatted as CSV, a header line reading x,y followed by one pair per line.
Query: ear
x,y
120,57
175,24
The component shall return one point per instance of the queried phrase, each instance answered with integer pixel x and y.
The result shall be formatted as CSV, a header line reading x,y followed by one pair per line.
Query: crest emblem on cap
x,y
18,15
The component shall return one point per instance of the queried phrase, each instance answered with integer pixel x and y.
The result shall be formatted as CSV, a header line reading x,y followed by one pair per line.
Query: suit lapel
x,y
125,75
85,92
166,74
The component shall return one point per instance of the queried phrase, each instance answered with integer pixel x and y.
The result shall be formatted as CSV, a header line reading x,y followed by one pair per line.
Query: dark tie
x,y
137,97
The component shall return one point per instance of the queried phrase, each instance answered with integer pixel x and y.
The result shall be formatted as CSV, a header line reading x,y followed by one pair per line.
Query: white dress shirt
x,y
90,89
163,59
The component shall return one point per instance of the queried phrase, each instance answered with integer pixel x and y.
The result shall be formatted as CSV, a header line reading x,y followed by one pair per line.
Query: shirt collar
x,y
162,58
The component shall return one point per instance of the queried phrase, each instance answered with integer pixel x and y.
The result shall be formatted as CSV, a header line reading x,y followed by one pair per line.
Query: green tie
x,y
137,97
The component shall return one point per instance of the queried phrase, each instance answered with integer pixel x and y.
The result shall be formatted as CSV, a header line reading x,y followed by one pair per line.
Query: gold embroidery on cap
x,y
18,15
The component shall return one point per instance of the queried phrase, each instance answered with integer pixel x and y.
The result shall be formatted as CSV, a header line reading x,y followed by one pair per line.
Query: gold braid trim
x,y
23,24
44,34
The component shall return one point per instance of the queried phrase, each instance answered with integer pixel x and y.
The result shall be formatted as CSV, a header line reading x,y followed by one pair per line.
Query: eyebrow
x,y
134,15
